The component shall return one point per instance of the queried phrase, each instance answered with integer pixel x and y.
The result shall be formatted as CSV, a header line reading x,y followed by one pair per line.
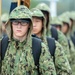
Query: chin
x,y
19,35
34,33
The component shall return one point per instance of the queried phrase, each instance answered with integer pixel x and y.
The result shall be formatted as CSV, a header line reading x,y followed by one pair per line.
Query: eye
x,y
37,21
15,21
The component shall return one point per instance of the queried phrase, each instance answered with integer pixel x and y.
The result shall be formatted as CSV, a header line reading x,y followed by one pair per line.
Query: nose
x,y
19,25
34,25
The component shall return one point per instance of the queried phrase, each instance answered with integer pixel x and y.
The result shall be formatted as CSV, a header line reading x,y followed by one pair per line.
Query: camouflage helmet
x,y
43,7
5,17
21,12
37,12
56,21
65,18
67,13
72,15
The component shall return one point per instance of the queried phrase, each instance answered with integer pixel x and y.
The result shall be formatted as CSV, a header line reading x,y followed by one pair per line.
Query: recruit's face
x,y
20,28
64,28
37,26
58,28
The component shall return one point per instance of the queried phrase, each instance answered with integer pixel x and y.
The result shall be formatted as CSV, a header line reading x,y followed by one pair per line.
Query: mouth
x,y
18,30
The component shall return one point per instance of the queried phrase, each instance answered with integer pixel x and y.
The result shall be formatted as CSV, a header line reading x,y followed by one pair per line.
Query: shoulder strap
x,y
73,39
69,43
52,46
54,33
36,49
4,44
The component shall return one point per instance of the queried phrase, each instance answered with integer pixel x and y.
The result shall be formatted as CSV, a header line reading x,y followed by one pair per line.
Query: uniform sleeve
x,y
61,61
72,52
46,63
63,41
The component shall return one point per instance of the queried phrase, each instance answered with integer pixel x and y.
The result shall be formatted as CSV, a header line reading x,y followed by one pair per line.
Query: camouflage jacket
x,y
18,59
61,62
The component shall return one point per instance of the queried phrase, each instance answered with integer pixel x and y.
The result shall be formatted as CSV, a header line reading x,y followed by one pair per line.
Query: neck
x,y
39,35
21,39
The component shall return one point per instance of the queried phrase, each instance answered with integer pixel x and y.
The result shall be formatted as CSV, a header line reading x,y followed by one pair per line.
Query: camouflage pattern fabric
x,y
44,7
37,13
63,41
61,62
18,59
72,52
61,36
71,46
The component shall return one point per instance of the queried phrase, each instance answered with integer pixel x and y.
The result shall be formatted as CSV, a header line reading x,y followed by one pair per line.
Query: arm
x,y
46,63
61,61
63,41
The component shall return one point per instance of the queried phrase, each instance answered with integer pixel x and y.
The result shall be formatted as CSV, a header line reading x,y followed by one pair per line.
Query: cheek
x,y
40,26
25,29
14,28
64,28
37,28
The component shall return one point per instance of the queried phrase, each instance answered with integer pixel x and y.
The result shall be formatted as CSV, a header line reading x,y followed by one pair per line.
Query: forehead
x,y
37,18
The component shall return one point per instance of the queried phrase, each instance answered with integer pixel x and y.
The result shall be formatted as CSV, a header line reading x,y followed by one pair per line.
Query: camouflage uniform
x,y
61,38
72,16
72,29
55,22
18,59
61,63
71,46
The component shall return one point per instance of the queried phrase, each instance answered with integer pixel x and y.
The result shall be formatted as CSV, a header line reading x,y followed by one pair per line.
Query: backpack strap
x,y
69,43
52,47
54,33
36,50
4,44
73,39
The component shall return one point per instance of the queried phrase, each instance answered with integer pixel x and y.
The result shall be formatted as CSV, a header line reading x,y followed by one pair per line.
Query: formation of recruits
x,y
23,24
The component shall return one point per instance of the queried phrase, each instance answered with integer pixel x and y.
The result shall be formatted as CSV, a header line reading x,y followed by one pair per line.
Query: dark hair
x,y
27,20
41,18
46,13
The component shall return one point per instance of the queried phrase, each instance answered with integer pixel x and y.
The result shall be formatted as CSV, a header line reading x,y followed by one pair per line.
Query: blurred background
x,y
57,7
